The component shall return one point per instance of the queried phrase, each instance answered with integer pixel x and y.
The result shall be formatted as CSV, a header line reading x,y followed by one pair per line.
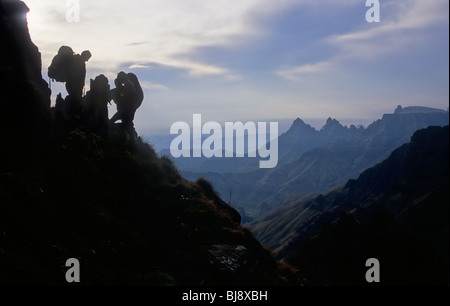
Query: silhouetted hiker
x,y
60,63
95,104
123,97
75,79
128,96
70,68
138,92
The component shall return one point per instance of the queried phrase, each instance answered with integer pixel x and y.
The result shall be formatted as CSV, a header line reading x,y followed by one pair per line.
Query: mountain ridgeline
x,y
312,161
396,211
127,215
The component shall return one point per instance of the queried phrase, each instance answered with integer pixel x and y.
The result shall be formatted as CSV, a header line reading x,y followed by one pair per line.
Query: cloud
x,y
143,31
153,86
300,73
395,33
404,26
138,66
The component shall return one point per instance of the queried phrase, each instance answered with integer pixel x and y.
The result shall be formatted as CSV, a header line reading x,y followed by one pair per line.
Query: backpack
x,y
139,94
60,64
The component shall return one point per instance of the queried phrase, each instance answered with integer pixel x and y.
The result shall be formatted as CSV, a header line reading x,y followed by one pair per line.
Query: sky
x,y
256,60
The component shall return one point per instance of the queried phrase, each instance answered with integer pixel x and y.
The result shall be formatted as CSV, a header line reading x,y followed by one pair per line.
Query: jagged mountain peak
x,y
298,121
332,124
299,124
331,121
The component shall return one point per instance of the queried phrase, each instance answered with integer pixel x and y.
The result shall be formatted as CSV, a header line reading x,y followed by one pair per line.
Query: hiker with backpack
x,y
95,105
138,92
70,68
128,96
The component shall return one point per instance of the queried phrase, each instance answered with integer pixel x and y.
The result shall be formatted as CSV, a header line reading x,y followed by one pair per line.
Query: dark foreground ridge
x,y
396,211
108,201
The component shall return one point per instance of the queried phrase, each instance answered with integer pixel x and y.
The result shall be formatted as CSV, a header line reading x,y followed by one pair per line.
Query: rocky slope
x,y
409,188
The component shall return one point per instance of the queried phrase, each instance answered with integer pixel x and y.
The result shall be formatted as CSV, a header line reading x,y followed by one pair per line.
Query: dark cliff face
x,y
24,95
20,53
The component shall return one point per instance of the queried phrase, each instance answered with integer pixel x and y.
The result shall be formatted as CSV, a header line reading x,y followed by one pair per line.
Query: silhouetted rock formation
x,y
21,62
24,95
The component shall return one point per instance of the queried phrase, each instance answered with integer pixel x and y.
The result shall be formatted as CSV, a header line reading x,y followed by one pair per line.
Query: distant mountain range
x,y
396,211
310,161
